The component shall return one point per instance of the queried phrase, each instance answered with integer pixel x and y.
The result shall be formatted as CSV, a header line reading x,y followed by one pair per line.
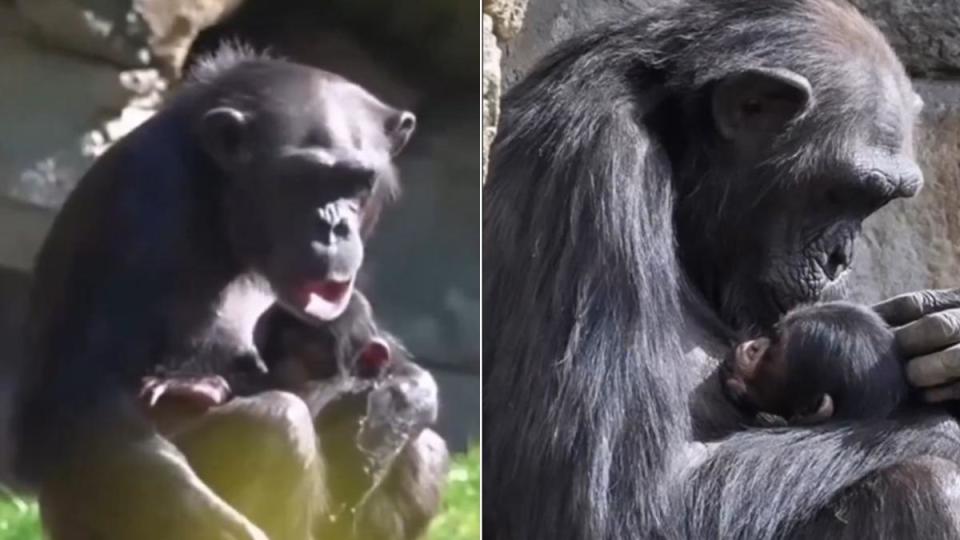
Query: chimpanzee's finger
x,y
152,391
935,369
940,394
908,307
930,333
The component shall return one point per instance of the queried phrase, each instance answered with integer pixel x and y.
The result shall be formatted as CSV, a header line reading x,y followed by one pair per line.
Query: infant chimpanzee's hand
x,y
199,392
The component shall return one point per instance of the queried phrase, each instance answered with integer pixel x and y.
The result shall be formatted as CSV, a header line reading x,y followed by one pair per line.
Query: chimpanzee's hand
x,y
201,392
172,401
927,326
398,409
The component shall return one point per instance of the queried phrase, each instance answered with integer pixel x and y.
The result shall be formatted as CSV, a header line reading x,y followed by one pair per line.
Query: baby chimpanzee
x,y
832,360
317,362
372,407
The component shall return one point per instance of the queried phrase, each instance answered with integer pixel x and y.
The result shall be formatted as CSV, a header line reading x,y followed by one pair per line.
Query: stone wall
x,y
916,243
78,75
908,245
502,20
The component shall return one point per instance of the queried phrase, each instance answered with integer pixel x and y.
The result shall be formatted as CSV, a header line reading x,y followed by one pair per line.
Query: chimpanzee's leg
x,y
259,453
403,505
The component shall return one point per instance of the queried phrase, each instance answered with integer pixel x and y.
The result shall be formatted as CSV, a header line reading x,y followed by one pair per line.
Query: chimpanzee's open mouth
x,y
326,299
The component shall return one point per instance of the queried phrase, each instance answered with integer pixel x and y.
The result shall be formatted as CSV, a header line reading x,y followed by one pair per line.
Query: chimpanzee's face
x,y
309,168
758,375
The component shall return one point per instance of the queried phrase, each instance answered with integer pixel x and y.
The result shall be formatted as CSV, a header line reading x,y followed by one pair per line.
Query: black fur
x,y
623,234
259,171
843,350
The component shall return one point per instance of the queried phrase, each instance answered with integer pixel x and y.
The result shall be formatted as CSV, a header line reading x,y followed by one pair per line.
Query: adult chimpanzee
x,y
656,183
834,360
259,172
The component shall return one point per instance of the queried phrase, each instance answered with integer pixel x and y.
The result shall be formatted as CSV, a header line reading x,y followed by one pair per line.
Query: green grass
x,y
19,520
459,520
460,517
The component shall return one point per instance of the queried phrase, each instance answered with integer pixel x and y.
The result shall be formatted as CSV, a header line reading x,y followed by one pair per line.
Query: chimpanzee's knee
x,y
277,423
267,430
259,454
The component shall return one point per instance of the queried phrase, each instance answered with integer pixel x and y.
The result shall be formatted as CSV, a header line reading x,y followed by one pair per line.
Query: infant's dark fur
x,y
833,360
290,355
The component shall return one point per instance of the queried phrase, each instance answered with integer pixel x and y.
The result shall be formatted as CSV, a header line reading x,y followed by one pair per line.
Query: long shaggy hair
x,y
586,298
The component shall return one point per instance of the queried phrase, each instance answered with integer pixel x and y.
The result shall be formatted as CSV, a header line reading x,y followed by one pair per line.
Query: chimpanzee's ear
x,y
822,413
752,105
399,127
223,135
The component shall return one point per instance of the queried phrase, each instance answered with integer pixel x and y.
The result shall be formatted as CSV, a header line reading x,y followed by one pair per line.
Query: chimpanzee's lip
x,y
326,298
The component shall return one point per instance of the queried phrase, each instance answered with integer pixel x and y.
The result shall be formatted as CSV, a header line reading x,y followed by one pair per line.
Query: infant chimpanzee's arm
x,y
219,365
172,400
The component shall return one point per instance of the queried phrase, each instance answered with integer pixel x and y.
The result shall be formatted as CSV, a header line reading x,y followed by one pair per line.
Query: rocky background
x,y
76,75
908,245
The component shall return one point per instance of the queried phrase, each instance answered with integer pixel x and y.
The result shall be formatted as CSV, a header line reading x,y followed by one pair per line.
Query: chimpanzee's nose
x,y
838,259
910,181
331,227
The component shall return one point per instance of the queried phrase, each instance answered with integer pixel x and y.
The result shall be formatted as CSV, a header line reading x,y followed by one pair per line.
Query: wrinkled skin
x,y
928,332
811,221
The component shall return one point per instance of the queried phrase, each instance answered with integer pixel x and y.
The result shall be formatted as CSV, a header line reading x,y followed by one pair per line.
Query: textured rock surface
x,y
915,243
172,25
491,87
925,33
125,32
548,22
59,112
109,30
507,16
87,72
502,20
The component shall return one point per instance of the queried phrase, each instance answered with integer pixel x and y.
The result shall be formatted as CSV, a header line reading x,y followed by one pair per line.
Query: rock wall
x,y
916,243
502,20
909,244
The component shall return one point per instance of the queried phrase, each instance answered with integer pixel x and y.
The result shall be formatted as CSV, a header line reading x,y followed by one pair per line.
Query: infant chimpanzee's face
x,y
316,354
757,375
819,356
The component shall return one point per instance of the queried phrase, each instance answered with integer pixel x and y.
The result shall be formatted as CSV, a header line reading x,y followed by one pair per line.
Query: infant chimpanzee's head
x,y
350,346
834,359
